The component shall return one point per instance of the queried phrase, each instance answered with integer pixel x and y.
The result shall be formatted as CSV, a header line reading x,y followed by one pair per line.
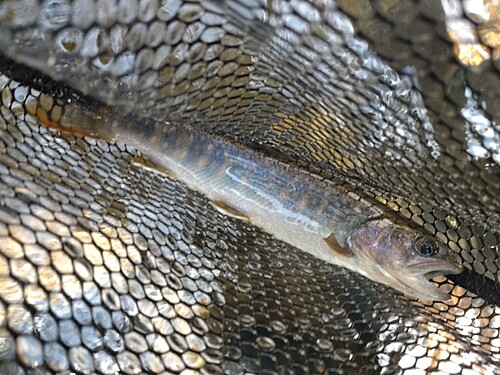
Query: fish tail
x,y
92,120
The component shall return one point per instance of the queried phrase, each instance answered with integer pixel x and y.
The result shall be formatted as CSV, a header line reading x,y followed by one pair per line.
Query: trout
x,y
327,220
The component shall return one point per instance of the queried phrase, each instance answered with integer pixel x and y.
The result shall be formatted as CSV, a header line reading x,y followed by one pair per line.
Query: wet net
x,y
109,267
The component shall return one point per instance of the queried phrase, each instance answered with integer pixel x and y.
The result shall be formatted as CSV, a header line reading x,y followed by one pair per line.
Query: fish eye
x,y
426,246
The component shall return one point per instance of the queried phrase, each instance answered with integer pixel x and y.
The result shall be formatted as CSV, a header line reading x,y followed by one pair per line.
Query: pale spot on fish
x,y
303,201
324,205
283,194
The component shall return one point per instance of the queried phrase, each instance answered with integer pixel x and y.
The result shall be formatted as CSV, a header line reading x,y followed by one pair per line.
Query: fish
x,y
327,220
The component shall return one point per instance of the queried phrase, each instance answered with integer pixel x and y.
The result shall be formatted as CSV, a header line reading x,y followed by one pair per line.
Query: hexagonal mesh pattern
x,y
108,267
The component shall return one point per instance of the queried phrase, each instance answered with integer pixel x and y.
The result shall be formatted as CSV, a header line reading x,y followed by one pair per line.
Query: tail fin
x,y
72,117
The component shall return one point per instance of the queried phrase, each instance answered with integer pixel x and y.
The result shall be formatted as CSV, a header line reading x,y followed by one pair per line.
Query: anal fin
x,y
336,247
226,209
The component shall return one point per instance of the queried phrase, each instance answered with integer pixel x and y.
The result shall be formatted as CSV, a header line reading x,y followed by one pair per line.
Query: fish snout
x,y
446,262
453,260
455,263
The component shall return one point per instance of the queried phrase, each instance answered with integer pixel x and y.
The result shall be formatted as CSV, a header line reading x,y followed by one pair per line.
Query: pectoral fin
x,y
225,209
150,166
335,246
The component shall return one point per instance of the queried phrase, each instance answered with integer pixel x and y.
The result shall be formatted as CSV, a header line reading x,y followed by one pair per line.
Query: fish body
x,y
321,218
284,201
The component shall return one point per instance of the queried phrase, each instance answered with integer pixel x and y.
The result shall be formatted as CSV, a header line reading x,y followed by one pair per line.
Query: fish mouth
x,y
417,283
449,264
443,272
443,267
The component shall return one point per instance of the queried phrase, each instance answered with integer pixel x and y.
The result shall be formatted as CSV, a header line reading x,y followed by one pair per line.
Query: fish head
x,y
403,257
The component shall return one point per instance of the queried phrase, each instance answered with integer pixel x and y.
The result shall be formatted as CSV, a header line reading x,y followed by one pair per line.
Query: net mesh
x,y
108,267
